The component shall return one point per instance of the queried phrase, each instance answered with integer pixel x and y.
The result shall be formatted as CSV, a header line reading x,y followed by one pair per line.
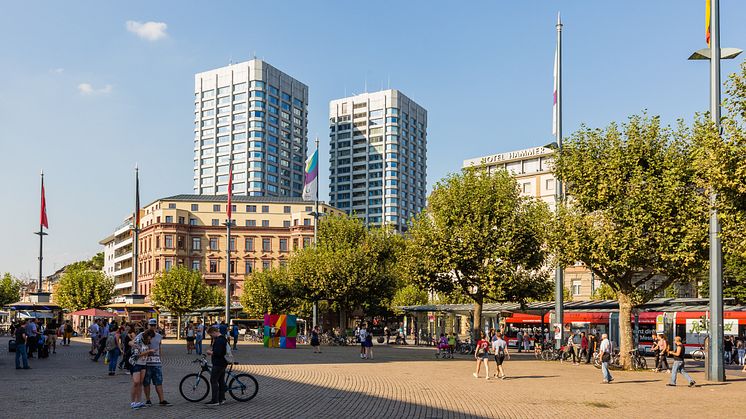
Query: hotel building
x,y
256,116
189,230
378,157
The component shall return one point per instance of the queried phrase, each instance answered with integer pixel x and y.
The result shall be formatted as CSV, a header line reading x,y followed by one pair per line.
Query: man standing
x,y
223,329
219,364
604,352
198,338
678,363
387,333
234,335
519,341
591,347
32,336
21,354
361,336
93,330
153,370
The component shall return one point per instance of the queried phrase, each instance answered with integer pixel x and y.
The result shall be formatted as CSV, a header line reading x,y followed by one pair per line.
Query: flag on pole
x,y
707,22
311,188
555,109
230,191
43,219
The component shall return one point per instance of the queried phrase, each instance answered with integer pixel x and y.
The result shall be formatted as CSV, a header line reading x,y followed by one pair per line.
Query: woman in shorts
x,y
140,351
482,355
190,334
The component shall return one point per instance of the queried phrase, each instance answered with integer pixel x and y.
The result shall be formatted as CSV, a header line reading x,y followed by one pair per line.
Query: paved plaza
x,y
402,382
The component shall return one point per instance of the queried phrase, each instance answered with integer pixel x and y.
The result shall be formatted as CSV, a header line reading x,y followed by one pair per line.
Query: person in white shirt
x,y
362,334
604,352
500,349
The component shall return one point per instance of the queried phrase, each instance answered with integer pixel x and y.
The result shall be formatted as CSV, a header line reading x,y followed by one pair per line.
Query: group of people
x,y
140,350
32,337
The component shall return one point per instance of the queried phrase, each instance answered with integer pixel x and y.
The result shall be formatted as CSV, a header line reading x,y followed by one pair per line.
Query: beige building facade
x,y
190,230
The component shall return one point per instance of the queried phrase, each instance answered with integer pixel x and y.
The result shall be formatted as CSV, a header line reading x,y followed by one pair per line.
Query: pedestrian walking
x,y
663,349
190,336
592,346
223,329
571,348
741,351
234,335
103,335
125,339
387,333
153,370
217,354
67,333
199,336
482,355
315,339
500,349
727,350
678,363
361,334
583,346
113,348
21,353
368,345
526,342
140,352
519,340
604,352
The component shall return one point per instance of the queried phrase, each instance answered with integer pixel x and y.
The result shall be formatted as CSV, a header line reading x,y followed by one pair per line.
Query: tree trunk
x,y
477,319
625,329
178,327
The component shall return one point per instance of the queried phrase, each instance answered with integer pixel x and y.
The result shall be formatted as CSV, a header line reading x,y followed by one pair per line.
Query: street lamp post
x,y
715,370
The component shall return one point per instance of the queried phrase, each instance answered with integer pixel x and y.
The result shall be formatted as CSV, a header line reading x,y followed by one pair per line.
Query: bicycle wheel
x,y
642,364
194,387
698,355
243,387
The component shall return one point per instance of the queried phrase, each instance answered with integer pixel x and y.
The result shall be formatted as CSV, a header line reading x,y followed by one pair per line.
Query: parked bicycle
x,y
552,354
195,387
698,354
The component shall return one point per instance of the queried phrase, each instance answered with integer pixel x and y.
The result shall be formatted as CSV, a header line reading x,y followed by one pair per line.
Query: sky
x,y
89,89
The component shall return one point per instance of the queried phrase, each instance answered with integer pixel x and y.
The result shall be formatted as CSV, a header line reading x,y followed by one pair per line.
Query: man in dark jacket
x,y
219,364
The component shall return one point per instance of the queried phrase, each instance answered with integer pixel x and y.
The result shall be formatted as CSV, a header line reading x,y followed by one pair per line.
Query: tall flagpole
x,y
316,229
228,245
136,234
559,271
41,232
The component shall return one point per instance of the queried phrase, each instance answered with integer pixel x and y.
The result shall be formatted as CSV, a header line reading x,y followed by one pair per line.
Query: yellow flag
x,y
707,22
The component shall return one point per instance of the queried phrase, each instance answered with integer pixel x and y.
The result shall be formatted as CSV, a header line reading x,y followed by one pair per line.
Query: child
x,y
451,343
442,344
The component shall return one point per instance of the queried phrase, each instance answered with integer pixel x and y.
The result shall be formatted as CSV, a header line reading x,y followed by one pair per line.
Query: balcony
x,y
123,285
123,257
123,243
123,271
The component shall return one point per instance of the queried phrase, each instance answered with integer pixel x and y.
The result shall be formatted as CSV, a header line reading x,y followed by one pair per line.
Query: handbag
x,y
229,354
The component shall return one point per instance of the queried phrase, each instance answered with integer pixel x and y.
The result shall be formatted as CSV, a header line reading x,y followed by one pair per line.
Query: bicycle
x,y
698,354
638,361
195,387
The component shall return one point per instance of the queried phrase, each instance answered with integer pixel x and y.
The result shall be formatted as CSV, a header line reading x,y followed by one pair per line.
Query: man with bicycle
x,y
219,364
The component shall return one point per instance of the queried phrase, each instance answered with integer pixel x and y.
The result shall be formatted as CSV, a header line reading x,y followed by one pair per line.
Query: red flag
x,y
43,220
230,191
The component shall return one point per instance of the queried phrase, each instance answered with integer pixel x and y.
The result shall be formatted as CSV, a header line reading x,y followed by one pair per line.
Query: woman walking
x,y
140,352
125,339
112,348
482,354
315,339
190,336
369,345
663,353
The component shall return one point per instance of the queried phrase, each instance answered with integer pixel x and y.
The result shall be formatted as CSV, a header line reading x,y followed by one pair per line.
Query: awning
x,y
93,312
122,307
29,306
35,315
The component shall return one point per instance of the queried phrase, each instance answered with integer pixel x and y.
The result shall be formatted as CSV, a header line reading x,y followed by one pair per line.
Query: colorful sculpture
x,y
280,331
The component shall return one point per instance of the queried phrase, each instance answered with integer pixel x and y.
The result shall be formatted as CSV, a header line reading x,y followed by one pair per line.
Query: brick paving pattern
x,y
402,382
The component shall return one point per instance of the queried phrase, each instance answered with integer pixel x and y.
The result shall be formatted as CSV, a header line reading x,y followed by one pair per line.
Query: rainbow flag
x,y
311,188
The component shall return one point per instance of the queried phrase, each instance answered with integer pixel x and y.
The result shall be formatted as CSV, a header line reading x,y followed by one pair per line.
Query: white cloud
x,y
87,89
58,70
151,31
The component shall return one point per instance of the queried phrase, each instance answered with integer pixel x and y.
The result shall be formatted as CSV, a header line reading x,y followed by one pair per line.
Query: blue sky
x,y
85,97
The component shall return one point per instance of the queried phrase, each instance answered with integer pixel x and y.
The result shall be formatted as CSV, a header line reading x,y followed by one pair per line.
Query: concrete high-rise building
x,y
378,157
256,116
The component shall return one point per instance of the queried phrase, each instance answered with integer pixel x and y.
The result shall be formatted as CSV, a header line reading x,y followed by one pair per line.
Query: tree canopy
x,y
634,215
480,238
269,291
181,290
80,288
10,289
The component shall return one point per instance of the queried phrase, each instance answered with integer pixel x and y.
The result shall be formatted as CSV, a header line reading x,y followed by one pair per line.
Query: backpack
x,y
111,342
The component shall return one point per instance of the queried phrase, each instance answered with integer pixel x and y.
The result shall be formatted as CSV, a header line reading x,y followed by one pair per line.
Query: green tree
x,y
634,214
604,292
268,292
180,290
80,288
478,237
215,296
10,289
408,295
351,267
721,164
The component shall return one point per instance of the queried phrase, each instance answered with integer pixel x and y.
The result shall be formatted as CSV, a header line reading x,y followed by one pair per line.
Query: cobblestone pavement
x,y
405,382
